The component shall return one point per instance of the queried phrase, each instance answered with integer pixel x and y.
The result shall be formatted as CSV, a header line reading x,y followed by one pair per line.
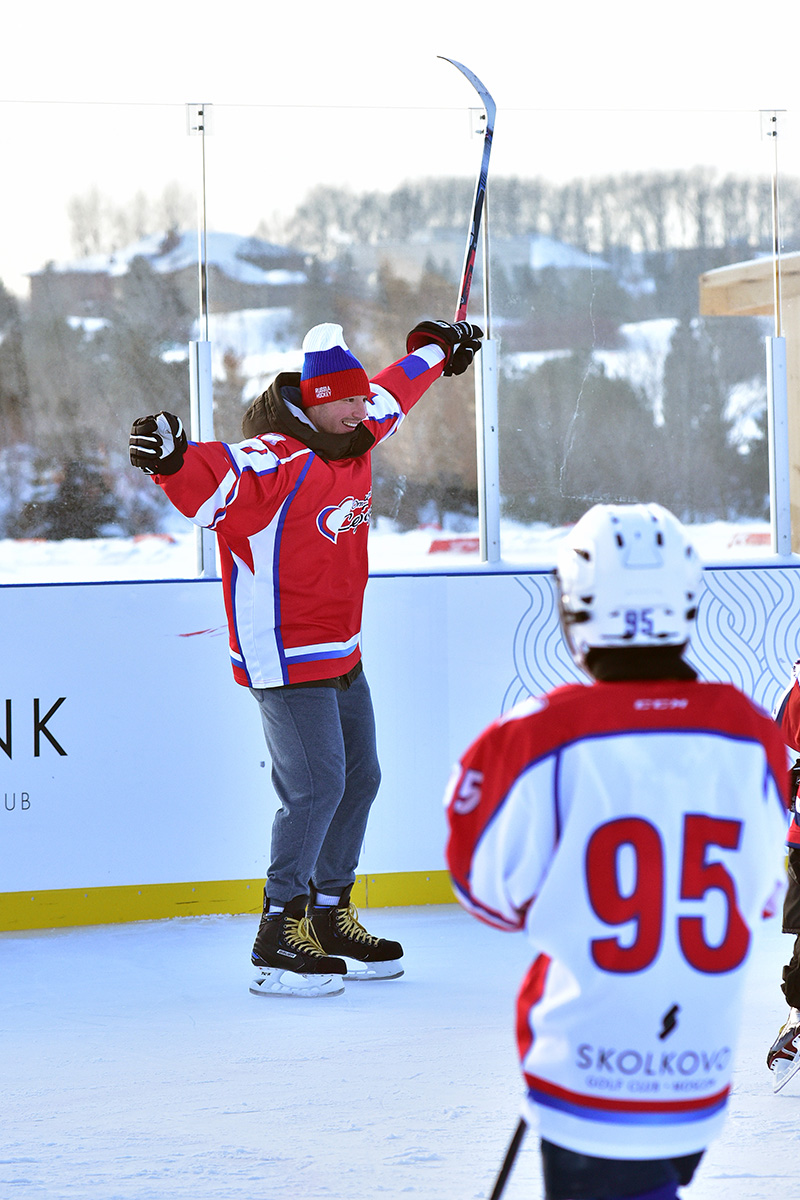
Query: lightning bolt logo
x,y
669,1021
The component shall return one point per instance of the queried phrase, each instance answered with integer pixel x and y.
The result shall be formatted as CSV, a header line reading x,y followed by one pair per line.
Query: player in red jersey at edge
x,y
634,830
783,1056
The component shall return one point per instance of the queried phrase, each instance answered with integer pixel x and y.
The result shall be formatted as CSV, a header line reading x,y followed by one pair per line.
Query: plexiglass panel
x,y
613,382
93,332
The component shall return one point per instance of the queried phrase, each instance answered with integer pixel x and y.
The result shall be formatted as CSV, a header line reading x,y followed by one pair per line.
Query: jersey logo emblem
x,y
344,517
669,1021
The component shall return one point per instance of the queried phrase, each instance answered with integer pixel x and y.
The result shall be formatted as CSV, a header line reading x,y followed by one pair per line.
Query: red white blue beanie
x,y
330,371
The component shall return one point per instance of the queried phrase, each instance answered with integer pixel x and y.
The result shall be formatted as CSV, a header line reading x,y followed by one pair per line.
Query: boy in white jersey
x,y
633,829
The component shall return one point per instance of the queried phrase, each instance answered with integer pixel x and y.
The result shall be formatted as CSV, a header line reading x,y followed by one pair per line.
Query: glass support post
x,y
200,374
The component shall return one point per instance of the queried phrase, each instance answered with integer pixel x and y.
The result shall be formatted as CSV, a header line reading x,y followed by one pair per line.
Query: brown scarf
x,y
270,414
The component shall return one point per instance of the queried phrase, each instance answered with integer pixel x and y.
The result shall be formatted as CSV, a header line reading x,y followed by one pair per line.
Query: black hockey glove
x,y
158,444
459,342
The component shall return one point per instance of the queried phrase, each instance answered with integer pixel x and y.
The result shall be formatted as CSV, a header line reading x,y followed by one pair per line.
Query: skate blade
x,y
378,970
784,1070
276,982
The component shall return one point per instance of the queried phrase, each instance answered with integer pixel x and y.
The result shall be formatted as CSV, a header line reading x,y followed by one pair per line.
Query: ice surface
x,y
137,1066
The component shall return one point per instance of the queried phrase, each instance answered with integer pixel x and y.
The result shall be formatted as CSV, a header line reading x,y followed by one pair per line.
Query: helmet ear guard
x,y
627,576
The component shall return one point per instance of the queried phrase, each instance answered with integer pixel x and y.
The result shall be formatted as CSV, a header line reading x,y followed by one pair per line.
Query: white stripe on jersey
x,y
431,354
253,600
253,455
215,505
383,405
323,649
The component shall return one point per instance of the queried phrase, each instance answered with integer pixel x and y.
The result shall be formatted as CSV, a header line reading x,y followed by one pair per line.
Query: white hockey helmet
x,y
627,576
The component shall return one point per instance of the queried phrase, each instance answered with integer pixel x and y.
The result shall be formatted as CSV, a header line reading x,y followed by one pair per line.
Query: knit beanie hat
x,y
330,371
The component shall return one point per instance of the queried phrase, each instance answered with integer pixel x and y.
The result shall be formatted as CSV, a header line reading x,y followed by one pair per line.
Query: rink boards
x,y
134,774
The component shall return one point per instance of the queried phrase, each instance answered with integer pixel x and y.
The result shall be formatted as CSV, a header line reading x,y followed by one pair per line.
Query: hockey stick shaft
x,y
509,1160
480,190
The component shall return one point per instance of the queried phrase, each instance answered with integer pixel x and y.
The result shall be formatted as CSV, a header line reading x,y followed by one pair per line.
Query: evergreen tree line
x,y
572,436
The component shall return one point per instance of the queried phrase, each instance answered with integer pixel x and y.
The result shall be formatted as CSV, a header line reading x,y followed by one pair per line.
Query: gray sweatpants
x,y
326,775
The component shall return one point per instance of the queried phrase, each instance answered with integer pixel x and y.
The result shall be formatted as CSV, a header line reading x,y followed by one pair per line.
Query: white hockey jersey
x,y
635,831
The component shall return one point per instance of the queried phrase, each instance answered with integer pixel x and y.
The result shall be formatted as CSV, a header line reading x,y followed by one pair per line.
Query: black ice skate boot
x,y
339,931
289,958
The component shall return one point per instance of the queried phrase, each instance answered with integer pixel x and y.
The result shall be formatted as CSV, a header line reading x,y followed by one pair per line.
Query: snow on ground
x,y
641,359
138,1067
173,554
93,560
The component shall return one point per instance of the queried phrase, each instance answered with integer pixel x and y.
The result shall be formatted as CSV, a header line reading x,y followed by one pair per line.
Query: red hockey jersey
x,y
292,532
787,714
634,831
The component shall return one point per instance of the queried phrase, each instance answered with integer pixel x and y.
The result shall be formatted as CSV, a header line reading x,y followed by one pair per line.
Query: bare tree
x,y
99,225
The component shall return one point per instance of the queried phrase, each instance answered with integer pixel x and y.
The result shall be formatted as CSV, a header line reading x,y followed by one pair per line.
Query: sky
x,y
622,54
356,94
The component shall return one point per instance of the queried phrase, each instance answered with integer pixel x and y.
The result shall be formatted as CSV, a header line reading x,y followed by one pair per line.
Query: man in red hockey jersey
x,y
783,1057
633,829
290,506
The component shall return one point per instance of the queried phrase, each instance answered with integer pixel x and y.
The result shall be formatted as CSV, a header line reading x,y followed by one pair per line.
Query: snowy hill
x,y
245,259
242,272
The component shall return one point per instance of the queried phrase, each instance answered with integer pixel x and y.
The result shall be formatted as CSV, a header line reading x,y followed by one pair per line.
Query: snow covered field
x,y
137,1066
173,555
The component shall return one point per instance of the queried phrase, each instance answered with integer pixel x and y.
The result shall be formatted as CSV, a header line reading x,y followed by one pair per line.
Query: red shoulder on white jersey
x,y
545,725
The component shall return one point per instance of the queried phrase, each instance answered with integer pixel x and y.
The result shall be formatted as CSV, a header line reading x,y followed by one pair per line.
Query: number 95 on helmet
x,y
627,576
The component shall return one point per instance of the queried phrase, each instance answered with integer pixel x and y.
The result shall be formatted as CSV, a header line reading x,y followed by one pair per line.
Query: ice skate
x,y
273,981
290,960
783,1057
339,931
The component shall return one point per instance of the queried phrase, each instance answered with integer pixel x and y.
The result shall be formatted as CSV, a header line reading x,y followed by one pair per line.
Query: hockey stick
x,y
509,1160
480,189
